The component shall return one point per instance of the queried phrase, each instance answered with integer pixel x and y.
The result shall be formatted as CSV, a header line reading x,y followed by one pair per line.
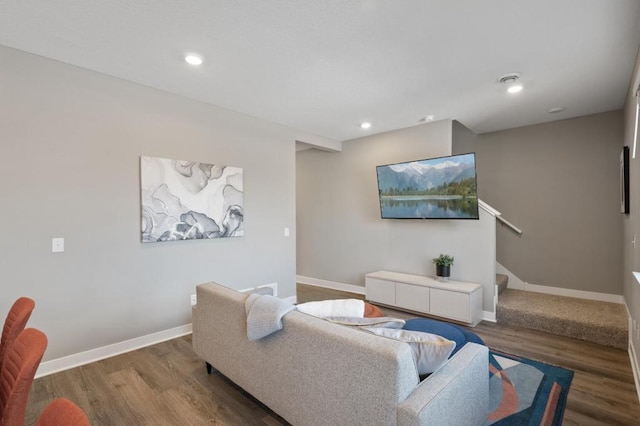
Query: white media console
x,y
454,300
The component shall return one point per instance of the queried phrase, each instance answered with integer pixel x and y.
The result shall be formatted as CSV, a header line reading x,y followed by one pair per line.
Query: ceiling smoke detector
x,y
511,80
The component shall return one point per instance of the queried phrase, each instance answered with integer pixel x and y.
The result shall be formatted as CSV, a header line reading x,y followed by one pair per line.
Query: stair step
x,y
604,323
501,281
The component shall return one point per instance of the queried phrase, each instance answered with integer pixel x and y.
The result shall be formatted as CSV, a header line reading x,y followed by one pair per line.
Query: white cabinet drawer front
x,y
450,304
380,291
412,297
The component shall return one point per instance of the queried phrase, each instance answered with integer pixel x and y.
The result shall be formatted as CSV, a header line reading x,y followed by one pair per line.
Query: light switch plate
x,y
57,245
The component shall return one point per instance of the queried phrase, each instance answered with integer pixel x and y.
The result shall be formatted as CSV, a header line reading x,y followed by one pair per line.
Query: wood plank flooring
x,y
167,384
163,384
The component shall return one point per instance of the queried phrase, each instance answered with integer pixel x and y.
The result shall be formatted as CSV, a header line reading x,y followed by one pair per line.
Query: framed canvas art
x,y
187,200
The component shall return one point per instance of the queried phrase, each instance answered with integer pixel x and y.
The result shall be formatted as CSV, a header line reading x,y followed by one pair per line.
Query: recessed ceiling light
x,y
515,88
193,59
365,125
555,110
511,80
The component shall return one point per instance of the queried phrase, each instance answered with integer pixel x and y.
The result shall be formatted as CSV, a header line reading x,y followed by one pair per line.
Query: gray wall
x,y
341,236
71,142
632,221
559,183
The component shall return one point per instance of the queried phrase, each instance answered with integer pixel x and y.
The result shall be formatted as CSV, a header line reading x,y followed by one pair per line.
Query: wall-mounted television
x,y
435,188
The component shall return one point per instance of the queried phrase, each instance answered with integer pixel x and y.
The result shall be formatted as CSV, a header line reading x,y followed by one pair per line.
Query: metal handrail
x,y
509,224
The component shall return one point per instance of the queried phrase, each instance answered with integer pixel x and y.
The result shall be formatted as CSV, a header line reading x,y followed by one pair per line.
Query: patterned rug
x,y
526,392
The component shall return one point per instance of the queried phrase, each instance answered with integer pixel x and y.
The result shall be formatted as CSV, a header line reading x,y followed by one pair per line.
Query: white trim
x,y
517,284
92,355
489,316
273,286
580,294
488,208
330,284
636,369
514,282
632,353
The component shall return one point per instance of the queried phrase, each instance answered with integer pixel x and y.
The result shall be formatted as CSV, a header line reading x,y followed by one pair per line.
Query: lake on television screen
x,y
428,208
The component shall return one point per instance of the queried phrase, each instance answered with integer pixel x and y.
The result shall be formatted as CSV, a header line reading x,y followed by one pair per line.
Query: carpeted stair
x,y
502,281
590,320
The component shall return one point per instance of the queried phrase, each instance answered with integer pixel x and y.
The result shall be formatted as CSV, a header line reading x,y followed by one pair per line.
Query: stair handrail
x,y
510,225
499,217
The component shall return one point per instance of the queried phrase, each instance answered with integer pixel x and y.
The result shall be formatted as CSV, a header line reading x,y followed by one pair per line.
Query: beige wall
x,y
559,183
341,236
632,221
70,148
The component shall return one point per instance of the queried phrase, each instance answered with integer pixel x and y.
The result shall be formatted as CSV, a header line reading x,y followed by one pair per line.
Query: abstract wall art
x,y
187,200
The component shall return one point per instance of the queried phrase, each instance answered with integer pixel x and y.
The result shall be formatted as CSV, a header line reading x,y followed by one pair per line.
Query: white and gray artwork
x,y
186,200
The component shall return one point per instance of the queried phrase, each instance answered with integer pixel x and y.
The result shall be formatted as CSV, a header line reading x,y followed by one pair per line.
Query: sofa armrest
x,y
457,394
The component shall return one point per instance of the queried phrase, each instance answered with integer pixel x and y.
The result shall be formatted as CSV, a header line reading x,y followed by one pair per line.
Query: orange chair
x,y
62,412
14,323
21,361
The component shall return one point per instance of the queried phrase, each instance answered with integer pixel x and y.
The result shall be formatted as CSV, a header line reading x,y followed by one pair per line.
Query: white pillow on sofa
x,y
377,322
430,351
333,308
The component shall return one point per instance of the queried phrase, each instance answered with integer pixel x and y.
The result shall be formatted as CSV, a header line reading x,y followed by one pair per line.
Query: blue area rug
x,y
526,392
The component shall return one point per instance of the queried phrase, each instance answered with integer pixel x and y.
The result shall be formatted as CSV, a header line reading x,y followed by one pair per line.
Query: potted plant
x,y
443,265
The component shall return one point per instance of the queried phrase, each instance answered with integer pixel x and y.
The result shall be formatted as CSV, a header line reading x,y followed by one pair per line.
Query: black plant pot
x,y
443,271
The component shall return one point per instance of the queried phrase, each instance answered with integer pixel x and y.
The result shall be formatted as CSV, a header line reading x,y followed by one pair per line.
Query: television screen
x,y
435,188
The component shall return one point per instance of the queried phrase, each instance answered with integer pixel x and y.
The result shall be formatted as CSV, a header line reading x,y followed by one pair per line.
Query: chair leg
x,y
209,368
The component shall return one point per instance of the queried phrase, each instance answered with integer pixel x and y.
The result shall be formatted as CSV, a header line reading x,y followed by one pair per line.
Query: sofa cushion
x,y
333,308
449,331
382,322
430,351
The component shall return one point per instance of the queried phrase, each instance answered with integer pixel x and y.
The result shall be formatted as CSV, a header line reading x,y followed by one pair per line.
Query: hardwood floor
x,y
163,384
167,384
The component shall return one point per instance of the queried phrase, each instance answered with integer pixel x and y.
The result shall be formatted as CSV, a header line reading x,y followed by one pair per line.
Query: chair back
x,y
62,412
14,323
21,362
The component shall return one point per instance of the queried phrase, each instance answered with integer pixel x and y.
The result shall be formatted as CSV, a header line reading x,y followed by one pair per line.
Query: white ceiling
x,y
324,66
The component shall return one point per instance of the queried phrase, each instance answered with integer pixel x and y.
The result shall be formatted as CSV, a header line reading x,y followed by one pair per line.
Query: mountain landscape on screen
x,y
419,175
436,188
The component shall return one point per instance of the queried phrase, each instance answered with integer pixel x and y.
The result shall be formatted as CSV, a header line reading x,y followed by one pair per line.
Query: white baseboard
x,y
517,284
514,282
635,367
330,284
82,358
632,353
580,294
489,316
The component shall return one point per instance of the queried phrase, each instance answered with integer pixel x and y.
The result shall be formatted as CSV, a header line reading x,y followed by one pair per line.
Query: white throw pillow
x,y
378,322
333,308
430,351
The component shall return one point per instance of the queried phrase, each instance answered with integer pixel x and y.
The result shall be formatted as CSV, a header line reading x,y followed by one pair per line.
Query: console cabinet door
x,y
412,297
380,291
450,304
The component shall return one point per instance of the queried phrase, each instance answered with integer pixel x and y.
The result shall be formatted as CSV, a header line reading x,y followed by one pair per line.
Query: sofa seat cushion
x,y
447,330
430,351
381,322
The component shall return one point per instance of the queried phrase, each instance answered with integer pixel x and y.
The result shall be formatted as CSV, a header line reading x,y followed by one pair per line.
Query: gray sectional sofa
x,y
314,372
